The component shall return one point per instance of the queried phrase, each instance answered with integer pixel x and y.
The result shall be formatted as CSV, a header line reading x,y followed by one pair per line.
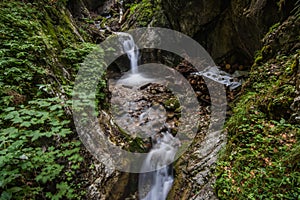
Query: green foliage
x,y
31,144
39,58
73,55
296,10
143,12
133,7
261,160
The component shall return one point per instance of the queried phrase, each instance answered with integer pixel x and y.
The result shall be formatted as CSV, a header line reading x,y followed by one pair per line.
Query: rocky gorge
x,y
255,155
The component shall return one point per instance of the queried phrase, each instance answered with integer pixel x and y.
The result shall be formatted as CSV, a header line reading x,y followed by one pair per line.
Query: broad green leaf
x,y
25,124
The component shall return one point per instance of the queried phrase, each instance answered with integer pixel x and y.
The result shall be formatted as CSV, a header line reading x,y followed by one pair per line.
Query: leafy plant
x,y
40,154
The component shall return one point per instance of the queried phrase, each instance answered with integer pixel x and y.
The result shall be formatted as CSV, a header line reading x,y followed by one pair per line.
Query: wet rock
x,y
223,27
100,180
194,169
143,107
190,13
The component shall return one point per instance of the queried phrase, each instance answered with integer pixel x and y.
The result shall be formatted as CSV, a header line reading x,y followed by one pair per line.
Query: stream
x,y
145,116
157,184
140,119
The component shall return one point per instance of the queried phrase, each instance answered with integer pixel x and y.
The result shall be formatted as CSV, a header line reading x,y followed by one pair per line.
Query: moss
x,y
293,68
263,140
172,104
262,55
137,145
258,60
273,28
266,52
177,184
141,14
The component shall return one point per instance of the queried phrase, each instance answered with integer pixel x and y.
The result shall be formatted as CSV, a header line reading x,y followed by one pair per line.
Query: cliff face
x,y
229,30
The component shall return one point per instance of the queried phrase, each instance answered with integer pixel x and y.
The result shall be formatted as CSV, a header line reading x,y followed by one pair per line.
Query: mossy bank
x,y
261,159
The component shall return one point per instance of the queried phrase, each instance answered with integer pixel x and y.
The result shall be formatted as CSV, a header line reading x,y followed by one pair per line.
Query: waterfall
x,y
155,185
130,49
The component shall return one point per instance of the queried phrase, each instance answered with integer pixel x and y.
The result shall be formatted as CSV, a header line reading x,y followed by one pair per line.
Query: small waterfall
x,y
153,185
156,185
130,49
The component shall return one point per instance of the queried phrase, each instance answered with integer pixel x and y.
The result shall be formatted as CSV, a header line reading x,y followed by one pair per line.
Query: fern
x,y
296,10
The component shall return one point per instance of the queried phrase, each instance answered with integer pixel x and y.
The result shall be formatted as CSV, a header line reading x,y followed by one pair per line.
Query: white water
x,y
130,49
136,79
156,185
153,185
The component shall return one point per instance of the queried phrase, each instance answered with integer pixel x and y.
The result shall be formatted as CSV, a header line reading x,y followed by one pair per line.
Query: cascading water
x,y
153,185
130,49
156,185
133,78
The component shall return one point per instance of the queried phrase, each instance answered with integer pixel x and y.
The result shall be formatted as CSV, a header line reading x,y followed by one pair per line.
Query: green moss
x,y
258,59
141,14
261,159
258,160
273,28
172,104
144,11
262,55
137,145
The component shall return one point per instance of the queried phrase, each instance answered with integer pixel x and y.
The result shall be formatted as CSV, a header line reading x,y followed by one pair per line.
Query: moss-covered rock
x,y
145,13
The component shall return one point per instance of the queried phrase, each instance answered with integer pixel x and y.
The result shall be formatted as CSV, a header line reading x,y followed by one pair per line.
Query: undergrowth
x,y
40,156
261,160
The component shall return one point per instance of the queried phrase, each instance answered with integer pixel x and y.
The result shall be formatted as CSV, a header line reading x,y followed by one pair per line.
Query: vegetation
x,y
261,160
40,54
41,156
297,8
143,13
